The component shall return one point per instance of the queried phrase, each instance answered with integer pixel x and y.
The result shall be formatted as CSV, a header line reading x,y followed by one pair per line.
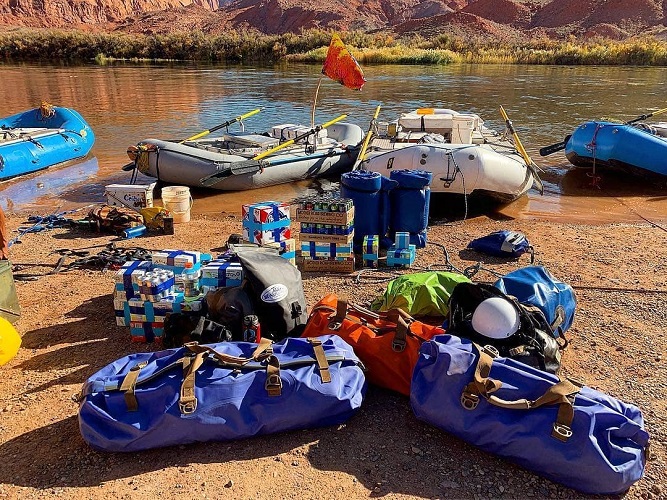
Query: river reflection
x,y
125,103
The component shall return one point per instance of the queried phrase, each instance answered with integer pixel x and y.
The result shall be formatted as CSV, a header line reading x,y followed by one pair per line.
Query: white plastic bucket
x,y
462,128
178,201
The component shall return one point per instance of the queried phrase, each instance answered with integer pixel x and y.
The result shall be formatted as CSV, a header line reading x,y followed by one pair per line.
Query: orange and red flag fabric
x,y
341,66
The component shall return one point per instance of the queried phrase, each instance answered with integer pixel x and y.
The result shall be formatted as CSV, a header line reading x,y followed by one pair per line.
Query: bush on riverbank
x,y
235,47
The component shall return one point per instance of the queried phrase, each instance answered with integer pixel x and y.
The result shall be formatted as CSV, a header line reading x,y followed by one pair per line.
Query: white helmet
x,y
496,318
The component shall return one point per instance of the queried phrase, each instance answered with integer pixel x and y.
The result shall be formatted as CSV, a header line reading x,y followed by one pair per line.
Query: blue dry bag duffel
x,y
536,286
220,392
503,244
570,434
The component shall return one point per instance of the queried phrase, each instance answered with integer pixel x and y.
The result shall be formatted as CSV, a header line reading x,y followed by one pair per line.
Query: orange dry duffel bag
x,y
387,343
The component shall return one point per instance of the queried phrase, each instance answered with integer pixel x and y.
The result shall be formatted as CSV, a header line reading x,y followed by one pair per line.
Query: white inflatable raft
x,y
465,157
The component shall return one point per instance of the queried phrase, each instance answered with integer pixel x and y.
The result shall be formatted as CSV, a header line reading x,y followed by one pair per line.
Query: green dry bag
x,y
420,294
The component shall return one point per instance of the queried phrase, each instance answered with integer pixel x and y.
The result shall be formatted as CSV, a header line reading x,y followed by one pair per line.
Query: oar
x,y
547,150
522,151
312,131
255,164
646,117
222,125
367,140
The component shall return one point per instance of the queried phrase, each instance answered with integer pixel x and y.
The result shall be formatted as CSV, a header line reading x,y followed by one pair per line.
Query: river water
x,y
127,102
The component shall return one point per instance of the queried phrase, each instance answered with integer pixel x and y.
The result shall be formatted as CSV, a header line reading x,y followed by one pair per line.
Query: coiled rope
x,y
46,111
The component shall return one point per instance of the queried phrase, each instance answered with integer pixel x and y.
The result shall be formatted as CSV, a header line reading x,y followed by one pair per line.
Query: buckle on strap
x,y
561,432
398,345
469,401
491,351
187,405
273,385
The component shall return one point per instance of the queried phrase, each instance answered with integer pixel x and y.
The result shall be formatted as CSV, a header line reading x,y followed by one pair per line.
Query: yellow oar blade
x,y
530,165
314,130
362,153
225,124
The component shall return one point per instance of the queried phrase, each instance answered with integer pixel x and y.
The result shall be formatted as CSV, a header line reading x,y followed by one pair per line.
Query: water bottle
x,y
190,281
251,329
133,232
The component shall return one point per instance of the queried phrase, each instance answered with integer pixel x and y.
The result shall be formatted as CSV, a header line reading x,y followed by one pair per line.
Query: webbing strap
x,y
274,383
562,393
188,401
128,385
401,335
322,363
341,311
224,358
263,346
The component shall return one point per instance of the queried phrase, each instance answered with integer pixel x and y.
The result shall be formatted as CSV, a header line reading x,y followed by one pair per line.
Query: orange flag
x,y
341,66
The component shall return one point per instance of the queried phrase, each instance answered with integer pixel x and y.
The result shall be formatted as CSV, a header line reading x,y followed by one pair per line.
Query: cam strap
x,y
188,401
274,383
322,363
562,393
128,385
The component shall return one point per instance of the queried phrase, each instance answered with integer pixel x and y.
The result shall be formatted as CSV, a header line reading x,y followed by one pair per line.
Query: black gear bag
x,y
533,344
275,288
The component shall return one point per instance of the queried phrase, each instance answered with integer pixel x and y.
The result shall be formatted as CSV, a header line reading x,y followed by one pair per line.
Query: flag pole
x,y
312,113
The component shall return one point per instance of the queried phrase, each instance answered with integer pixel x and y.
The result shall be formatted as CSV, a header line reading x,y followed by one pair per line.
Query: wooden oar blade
x,y
236,168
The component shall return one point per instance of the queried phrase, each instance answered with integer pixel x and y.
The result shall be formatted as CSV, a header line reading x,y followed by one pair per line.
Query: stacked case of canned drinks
x,y
146,291
401,253
268,223
326,230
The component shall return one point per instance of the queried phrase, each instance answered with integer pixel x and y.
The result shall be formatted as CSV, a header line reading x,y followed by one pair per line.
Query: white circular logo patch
x,y
274,293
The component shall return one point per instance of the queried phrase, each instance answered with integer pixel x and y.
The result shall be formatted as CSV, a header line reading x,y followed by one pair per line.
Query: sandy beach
x,y
617,345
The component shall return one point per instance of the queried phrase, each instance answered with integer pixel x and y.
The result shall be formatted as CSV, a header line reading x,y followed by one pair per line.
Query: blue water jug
x,y
409,204
370,193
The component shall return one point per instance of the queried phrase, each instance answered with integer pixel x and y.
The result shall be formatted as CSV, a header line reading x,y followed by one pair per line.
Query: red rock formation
x,y
501,11
492,19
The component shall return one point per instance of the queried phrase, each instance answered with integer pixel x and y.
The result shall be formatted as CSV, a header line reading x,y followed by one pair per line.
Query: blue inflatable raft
x,y
40,138
638,149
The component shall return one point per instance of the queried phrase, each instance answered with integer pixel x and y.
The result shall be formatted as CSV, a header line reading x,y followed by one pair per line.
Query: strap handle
x,y
128,385
397,316
188,401
321,357
562,393
259,353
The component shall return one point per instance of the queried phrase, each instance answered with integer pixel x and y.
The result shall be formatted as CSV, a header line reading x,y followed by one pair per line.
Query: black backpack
x,y
533,344
180,328
275,288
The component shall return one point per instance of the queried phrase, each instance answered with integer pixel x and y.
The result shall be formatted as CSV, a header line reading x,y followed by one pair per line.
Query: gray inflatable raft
x,y
225,163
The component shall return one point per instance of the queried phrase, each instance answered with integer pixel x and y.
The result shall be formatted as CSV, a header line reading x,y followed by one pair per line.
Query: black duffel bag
x,y
533,343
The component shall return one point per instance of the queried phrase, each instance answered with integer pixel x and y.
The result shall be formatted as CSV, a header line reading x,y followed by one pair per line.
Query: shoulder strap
x,y
562,393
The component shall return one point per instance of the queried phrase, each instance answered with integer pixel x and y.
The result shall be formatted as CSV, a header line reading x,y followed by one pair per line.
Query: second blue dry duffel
x,y
224,391
565,432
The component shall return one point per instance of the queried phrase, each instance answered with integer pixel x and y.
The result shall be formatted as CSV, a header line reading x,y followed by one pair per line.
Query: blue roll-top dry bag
x,y
370,193
219,392
560,429
536,286
409,203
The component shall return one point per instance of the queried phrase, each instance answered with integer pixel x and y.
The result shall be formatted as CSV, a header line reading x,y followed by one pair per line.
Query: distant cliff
x,y
497,19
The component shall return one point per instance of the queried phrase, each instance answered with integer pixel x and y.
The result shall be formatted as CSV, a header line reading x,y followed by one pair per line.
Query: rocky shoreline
x,y
68,329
